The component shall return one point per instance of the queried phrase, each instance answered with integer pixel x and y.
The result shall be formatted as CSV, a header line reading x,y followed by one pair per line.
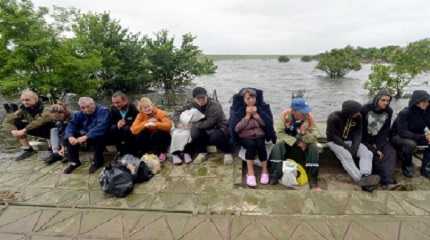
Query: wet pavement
x,y
207,199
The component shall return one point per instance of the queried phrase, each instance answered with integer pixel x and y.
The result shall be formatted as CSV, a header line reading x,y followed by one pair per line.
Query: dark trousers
x,y
152,142
43,131
123,140
407,147
385,167
254,147
282,151
202,138
97,143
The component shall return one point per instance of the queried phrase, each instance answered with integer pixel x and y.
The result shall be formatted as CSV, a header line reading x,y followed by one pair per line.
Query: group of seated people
x,y
364,138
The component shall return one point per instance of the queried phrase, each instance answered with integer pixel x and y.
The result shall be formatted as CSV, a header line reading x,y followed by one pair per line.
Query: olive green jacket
x,y
310,136
35,119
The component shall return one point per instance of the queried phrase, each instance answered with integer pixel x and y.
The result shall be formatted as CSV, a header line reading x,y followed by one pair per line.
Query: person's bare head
x,y
87,105
146,106
29,98
58,112
119,100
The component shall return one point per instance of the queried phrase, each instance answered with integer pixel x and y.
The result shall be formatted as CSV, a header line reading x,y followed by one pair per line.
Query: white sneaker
x,y
187,158
228,159
201,157
176,159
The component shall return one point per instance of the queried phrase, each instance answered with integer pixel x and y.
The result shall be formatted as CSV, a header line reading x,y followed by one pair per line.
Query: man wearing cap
x,y
297,133
211,130
344,135
411,128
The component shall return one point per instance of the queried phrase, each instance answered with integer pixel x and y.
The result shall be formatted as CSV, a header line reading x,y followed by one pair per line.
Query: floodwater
x,y
280,80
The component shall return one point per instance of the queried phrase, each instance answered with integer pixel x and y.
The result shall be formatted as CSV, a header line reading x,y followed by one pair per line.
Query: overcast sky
x,y
271,26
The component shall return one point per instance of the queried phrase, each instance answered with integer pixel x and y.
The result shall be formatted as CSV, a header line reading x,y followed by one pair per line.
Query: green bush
x,y
283,59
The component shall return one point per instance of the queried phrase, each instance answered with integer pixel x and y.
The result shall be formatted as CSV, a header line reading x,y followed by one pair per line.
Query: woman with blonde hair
x,y
152,129
60,115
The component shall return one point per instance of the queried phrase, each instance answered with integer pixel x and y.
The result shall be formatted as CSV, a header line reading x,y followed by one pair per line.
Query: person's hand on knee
x,y
73,140
82,139
61,151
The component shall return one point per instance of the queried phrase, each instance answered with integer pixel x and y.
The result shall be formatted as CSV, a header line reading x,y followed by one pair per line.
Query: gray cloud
x,y
274,26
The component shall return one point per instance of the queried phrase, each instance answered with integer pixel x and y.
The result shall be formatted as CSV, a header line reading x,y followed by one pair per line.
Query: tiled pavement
x,y
201,201
205,188
57,223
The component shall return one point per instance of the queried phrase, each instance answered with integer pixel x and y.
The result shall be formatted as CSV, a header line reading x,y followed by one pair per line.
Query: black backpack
x,y
116,180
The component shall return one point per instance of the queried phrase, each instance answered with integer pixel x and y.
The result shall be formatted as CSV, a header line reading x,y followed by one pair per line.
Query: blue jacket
x,y
93,126
237,112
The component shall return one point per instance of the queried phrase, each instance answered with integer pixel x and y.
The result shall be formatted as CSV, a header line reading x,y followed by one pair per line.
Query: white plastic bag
x,y
289,173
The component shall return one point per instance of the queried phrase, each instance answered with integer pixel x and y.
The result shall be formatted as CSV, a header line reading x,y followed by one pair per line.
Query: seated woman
x,y
60,115
251,123
296,132
152,129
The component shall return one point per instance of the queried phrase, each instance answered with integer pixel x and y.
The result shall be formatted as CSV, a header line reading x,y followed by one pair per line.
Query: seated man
x,y
211,130
411,128
297,132
377,117
30,119
123,114
89,126
344,131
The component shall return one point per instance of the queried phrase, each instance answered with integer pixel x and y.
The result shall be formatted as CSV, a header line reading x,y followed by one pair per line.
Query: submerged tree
x,y
283,59
171,66
306,58
338,62
405,64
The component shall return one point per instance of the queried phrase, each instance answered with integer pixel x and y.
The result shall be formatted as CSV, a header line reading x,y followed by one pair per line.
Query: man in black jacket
x,y
211,130
123,114
377,116
344,132
411,128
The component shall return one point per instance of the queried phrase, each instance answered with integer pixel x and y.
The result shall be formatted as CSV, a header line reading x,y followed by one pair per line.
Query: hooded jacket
x,y
411,121
33,117
376,123
93,125
342,127
237,112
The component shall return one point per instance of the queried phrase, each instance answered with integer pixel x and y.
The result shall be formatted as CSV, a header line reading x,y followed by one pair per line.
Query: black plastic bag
x,y
143,174
138,168
116,180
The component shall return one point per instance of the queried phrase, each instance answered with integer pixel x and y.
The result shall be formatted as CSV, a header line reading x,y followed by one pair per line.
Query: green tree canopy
x,y
171,66
405,64
339,62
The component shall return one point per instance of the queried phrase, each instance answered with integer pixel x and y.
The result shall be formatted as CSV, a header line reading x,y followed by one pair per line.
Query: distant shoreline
x,y
249,56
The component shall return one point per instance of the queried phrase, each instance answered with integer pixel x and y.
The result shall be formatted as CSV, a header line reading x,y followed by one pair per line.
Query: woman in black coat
x,y
250,125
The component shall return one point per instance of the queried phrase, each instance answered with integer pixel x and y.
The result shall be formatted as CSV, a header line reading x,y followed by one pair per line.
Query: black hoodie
x,y
412,120
342,127
376,122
